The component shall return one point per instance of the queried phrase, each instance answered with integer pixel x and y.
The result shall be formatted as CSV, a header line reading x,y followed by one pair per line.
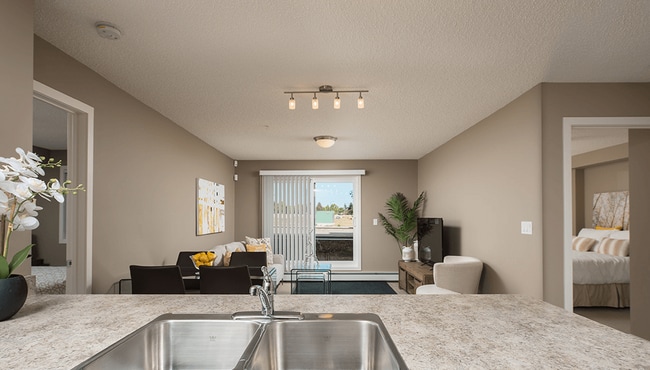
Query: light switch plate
x,y
527,227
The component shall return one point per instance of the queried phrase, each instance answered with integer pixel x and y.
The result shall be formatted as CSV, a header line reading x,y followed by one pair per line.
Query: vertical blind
x,y
287,214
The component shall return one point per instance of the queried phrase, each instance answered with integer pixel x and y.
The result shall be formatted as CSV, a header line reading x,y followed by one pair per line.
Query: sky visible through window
x,y
339,193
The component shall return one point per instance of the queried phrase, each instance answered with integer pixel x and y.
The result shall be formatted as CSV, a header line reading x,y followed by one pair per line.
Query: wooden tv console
x,y
414,274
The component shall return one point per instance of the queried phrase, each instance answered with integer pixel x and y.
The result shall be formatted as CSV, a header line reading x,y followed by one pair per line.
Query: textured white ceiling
x,y
433,68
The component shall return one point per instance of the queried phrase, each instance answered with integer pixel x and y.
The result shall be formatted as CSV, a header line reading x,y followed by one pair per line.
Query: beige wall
x,y
145,172
16,75
598,171
639,141
483,183
603,178
574,100
379,252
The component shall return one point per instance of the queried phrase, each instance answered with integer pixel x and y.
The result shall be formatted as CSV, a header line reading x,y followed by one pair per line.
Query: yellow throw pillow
x,y
227,256
608,228
263,247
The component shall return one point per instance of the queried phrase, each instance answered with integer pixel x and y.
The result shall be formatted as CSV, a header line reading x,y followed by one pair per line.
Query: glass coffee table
x,y
305,275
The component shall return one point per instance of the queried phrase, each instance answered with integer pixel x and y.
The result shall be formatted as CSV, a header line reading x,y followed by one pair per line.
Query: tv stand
x,y
414,274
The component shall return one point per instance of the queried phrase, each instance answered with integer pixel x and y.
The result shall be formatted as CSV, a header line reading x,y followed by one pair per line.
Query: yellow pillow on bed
x,y
609,228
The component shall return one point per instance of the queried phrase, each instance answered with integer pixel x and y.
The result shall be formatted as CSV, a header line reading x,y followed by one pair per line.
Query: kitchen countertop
x,y
430,331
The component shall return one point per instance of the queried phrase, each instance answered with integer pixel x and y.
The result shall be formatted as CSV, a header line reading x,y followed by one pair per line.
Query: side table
x,y
311,272
414,274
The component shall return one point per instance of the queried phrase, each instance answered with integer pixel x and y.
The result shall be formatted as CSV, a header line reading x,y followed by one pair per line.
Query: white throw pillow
x,y
595,234
620,235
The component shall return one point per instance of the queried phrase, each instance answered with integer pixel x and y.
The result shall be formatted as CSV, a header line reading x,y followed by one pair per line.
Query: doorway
x,y
568,125
77,214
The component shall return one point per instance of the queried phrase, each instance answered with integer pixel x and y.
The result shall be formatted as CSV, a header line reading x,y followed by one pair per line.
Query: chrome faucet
x,y
265,292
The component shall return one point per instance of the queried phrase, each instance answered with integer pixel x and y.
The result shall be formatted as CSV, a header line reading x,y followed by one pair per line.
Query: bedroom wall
x,y
483,183
602,170
145,174
16,74
379,253
639,141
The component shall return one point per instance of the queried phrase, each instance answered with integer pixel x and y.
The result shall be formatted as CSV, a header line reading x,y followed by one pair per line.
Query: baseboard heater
x,y
358,276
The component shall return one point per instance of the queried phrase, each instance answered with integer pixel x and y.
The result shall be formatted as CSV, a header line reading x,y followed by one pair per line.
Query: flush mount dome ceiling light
x,y
326,89
325,141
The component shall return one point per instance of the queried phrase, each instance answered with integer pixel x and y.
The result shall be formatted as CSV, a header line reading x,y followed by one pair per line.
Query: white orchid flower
x,y
24,222
30,208
22,192
57,193
36,185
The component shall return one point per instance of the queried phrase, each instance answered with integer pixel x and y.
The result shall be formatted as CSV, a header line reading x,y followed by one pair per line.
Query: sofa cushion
x,y
255,245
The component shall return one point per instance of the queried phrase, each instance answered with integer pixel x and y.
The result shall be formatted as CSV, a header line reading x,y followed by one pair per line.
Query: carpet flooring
x,y
344,287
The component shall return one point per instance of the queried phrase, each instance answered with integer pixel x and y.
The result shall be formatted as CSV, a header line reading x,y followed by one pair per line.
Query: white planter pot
x,y
408,254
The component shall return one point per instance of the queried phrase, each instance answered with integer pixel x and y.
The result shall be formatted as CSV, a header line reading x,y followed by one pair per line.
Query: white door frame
x,y
80,166
568,123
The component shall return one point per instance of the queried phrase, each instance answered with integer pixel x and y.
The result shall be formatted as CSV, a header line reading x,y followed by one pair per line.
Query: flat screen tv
x,y
429,231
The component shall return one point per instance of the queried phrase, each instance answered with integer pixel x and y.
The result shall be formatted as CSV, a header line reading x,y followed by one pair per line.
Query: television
x,y
429,232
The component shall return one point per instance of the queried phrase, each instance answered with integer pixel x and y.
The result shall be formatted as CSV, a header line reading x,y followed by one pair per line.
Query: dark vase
x,y
13,293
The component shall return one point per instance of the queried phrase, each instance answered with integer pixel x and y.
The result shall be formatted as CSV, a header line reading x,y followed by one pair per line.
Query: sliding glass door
x,y
335,221
304,213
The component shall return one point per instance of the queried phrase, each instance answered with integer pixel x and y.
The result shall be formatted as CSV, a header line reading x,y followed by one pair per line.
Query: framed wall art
x,y
210,207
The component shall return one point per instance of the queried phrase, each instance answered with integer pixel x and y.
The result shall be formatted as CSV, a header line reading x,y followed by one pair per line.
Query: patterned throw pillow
x,y
259,243
227,256
614,247
582,244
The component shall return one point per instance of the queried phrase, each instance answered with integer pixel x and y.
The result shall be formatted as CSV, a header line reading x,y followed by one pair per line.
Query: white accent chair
x,y
455,275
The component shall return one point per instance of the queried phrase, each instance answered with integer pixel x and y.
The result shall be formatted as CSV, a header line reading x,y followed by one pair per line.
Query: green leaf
x,y
19,257
4,268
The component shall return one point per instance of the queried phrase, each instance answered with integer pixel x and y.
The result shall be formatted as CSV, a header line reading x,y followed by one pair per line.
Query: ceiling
x,y
433,68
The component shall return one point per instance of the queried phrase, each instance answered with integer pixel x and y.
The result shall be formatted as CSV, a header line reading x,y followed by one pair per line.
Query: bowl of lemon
x,y
203,259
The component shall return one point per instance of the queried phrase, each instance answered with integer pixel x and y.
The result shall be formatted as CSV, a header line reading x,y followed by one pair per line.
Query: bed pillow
x,y
582,244
594,234
608,228
620,235
614,247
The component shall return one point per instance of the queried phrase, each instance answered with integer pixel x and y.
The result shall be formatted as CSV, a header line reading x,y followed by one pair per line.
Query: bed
x,y
601,268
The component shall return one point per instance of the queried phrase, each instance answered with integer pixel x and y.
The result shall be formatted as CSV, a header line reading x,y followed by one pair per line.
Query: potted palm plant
x,y
404,216
19,187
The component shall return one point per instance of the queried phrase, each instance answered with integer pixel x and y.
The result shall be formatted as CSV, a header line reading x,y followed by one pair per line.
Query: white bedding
x,y
597,268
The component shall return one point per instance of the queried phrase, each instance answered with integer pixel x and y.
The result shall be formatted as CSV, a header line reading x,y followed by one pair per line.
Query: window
x,y
307,211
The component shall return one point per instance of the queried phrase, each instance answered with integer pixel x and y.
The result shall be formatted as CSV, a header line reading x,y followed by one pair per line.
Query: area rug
x,y
343,287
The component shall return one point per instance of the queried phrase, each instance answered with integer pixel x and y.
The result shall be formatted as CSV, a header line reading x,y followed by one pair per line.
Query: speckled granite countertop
x,y
432,331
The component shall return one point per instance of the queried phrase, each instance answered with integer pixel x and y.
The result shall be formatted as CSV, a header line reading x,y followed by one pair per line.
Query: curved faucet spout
x,y
266,299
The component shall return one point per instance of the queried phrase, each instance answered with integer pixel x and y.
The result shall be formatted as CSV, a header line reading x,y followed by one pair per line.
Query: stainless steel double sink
x,y
204,341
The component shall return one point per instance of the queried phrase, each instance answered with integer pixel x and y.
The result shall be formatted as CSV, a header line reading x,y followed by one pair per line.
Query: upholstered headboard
x,y
611,210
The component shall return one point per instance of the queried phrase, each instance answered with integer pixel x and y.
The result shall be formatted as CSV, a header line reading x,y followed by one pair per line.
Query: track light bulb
x,y
292,103
314,102
360,103
337,102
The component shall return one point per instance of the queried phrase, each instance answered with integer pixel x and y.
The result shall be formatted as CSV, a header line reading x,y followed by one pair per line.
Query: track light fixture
x,y
326,89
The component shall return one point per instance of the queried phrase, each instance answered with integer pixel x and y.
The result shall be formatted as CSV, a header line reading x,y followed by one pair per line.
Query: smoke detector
x,y
108,31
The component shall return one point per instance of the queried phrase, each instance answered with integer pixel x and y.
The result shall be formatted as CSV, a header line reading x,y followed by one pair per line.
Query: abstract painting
x,y
611,209
210,207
